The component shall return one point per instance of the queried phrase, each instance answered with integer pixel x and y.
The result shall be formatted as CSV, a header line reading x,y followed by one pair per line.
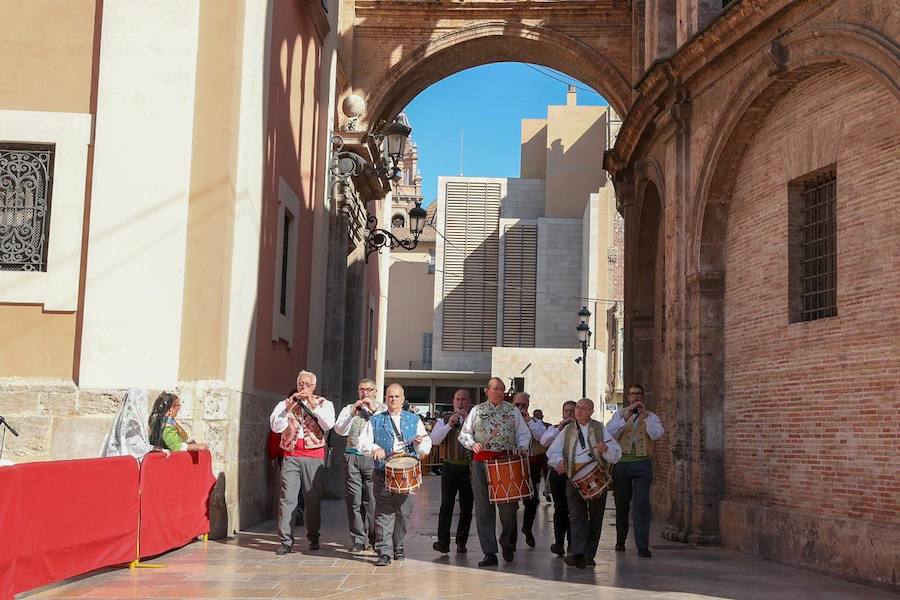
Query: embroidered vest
x,y
356,427
313,436
536,448
571,446
495,426
634,439
452,450
383,433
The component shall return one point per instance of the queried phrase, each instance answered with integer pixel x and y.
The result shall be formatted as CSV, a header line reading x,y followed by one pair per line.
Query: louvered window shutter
x,y
519,282
471,252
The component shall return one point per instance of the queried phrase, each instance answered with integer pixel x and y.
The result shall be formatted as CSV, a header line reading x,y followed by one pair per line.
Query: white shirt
x,y
549,436
368,446
440,430
467,433
324,415
345,418
617,424
557,448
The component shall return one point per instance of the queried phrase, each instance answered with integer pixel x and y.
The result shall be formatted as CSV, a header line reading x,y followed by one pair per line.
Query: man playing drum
x,y
494,429
359,493
395,432
557,484
456,475
635,428
537,458
582,447
303,419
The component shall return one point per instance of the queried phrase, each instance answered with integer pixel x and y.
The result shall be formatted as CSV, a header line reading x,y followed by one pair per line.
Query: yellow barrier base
x,y
136,564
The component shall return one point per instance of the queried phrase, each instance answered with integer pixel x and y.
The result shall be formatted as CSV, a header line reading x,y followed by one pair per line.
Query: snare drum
x,y
591,481
509,479
402,475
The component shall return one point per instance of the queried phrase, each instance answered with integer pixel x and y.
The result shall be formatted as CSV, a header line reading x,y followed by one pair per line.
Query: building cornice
x,y
657,88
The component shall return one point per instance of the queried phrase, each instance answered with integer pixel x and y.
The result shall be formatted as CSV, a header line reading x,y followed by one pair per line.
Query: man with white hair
x,y
302,419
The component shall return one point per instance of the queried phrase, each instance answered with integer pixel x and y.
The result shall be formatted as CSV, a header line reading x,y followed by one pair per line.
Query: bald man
x,y
579,444
456,474
394,432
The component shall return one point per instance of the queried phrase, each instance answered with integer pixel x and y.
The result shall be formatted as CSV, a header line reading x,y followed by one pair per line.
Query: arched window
x,y
398,221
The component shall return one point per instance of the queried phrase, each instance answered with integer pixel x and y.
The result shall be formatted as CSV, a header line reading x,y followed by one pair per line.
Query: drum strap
x,y
397,433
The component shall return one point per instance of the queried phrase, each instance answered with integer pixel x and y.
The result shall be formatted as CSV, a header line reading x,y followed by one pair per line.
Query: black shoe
x,y
489,560
285,549
383,561
313,545
529,538
590,562
575,560
508,554
398,554
558,549
442,548
357,548
645,552
620,547
461,549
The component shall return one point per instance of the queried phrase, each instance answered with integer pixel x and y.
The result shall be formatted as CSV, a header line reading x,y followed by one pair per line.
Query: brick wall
x,y
811,413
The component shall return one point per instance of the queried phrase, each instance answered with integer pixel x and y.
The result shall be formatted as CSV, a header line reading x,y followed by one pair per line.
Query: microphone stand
x,y
4,423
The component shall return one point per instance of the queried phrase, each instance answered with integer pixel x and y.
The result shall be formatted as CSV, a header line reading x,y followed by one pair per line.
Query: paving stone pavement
x,y
246,567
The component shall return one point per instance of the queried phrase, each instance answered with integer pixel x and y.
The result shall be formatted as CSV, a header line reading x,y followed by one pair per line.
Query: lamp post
x,y
584,336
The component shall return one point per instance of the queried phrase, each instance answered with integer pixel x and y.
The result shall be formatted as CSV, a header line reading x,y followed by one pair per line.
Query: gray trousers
x,y
391,513
486,514
307,474
360,498
586,518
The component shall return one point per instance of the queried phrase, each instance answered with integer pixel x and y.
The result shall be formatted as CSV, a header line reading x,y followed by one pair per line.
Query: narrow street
x,y
246,567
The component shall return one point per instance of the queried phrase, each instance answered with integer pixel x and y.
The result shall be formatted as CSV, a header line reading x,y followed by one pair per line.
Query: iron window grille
x,y
814,247
26,183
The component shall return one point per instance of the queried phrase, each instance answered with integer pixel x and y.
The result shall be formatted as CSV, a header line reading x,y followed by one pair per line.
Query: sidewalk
x,y
246,567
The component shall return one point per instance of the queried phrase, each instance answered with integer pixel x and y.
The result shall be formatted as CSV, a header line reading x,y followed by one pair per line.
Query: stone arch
x,y
789,61
646,312
490,42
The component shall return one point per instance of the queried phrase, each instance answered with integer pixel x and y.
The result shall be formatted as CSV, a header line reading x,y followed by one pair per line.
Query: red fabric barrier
x,y
9,528
174,500
76,516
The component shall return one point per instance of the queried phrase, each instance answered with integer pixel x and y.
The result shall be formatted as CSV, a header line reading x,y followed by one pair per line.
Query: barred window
x,y
26,180
813,246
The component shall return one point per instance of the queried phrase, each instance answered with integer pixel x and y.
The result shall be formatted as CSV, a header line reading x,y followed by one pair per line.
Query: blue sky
x,y
488,103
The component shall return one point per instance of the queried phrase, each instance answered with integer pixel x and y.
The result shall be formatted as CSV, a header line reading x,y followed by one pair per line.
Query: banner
x,y
174,500
75,516
9,528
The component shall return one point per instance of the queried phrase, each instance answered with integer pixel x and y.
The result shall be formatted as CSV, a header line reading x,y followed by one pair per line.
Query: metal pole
x,y
584,369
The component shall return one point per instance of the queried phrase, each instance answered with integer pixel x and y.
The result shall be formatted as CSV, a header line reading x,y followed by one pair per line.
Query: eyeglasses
x,y
305,384
367,390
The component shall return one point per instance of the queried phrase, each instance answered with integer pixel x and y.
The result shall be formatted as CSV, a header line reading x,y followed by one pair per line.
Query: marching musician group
x,y
494,454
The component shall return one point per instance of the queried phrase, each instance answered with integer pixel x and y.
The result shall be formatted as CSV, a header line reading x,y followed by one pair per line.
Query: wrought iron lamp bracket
x,y
382,238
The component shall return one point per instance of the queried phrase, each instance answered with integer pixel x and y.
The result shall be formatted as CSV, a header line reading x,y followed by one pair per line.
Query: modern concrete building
x,y
515,260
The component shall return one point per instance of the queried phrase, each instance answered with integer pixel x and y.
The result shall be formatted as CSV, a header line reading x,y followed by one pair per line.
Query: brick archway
x,y
789,62
394,61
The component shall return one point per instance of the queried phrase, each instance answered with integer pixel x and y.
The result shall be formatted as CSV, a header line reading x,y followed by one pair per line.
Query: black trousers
x,y
455,479
632,487
561,528
531,504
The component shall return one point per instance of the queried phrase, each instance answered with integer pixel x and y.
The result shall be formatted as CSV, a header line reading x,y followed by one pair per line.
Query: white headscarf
x,y
128,435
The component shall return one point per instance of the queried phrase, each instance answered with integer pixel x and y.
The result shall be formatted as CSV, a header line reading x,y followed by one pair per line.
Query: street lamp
x,y
584,336
382,238
395,136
